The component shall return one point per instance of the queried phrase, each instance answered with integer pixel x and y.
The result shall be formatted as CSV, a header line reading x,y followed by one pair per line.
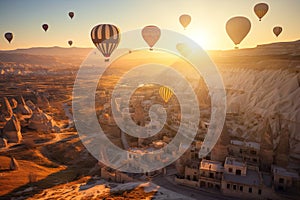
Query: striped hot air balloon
x,y
106,38
165,93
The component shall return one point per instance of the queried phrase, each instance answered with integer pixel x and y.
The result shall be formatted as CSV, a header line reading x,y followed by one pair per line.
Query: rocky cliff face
x,y
264,84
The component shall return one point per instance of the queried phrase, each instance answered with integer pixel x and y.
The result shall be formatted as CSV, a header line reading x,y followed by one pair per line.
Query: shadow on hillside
x,y
62,177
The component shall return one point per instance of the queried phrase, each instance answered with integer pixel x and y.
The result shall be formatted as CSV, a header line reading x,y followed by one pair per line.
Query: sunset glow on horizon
x,y
25,18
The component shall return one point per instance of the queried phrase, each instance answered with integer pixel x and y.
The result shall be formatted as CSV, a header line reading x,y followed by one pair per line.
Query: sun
x,y
199,36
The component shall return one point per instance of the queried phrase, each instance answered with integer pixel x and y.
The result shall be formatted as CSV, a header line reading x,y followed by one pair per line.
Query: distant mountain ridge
x,y
276,48
52,51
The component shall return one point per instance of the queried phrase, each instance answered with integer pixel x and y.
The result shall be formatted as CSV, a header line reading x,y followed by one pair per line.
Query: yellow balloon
x,y
185,20
165,93
237,29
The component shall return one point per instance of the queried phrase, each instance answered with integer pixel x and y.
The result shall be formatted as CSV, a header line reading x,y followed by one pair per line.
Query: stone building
x,y
240,180
247,151
210,174
284,179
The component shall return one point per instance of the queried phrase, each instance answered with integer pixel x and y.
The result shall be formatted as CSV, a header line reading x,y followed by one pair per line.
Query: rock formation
x,y
13,164
31,105
42,102
42,122
22,108
13,103
266,147
282,150
220,150
12,130
3,142
6,110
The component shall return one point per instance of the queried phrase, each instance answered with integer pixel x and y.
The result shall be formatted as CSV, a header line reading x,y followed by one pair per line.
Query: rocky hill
x,y
264,84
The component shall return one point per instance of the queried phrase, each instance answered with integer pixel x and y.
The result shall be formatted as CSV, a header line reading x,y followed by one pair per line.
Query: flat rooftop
x,y
251,178
234,161
211,165
284,172
253,145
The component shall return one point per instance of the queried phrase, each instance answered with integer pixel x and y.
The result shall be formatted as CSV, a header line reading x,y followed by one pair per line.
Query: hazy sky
x,y
25,17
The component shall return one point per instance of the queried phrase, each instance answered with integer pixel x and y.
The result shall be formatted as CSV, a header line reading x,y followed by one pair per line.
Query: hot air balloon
x,y
45,27
106,38
165,93
70,42
237,29
185,20
9,36
277,30
261,9
184,49
151,35
71,15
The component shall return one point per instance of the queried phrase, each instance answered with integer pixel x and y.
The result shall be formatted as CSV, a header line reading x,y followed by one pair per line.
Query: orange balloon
x,y
185,20
261,10
238,28
151,35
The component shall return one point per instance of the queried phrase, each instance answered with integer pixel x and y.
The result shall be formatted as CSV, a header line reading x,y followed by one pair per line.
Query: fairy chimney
x,y
266,147
13,164
12,130
220,150
22,108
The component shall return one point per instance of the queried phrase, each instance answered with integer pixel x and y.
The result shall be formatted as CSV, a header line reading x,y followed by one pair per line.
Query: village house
x,y
283,179
247,151
241,180
211,173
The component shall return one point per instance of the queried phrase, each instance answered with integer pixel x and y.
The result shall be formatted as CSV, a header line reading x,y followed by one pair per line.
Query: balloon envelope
x,y
45,27
106,38
165,93
184,49
9,36
151,35
277,30
185,20
237,29
71,14
70,42
261,10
